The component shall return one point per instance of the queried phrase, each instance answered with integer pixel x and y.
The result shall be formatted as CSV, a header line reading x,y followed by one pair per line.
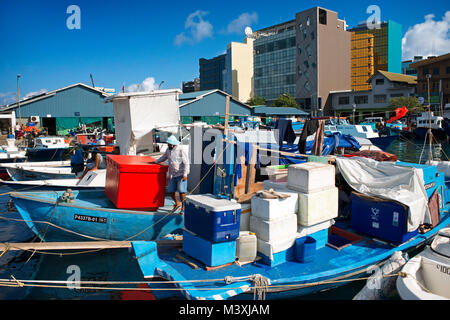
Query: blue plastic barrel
x,y
305,249
10,136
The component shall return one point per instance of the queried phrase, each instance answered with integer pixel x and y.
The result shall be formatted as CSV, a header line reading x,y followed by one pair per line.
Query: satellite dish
x,y
248,31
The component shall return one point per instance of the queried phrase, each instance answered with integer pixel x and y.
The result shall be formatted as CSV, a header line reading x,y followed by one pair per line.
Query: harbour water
x,y
119,264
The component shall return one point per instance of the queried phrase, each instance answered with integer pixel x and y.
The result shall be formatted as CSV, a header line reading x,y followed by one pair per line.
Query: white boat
x,y
92,180
343,126
423,126
10,154
24,173
428,273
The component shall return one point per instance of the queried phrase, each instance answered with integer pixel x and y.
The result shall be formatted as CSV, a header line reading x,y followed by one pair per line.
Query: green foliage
x,y
256,101
285,100
411,103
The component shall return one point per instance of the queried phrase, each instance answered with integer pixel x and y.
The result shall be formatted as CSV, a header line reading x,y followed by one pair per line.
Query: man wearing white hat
x,y
178,162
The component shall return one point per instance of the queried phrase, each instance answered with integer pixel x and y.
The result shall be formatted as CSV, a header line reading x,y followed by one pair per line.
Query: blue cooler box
x,y
383,219
211,254
212,218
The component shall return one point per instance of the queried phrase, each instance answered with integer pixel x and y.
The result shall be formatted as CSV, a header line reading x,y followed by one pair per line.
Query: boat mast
x,y
430,134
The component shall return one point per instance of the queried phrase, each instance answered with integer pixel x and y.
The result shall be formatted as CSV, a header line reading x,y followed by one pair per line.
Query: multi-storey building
x,y
211,73
306,57
383,48
238,73
406,66
438,69
191,86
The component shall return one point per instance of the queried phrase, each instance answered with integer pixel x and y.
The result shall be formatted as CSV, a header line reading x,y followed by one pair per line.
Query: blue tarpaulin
x,y
330,143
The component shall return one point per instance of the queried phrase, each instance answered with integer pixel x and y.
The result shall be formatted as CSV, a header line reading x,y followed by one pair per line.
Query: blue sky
x,y
127,42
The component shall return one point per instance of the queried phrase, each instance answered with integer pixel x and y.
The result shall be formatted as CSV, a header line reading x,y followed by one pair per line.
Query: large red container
x,y
133,183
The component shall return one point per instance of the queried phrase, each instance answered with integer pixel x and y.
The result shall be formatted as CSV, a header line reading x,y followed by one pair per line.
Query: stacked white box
x,y
317,207
311,177
272,209
273,247
271,230
246,212
306,231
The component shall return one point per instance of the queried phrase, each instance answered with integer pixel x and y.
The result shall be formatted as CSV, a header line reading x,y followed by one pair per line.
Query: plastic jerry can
x,y
246,247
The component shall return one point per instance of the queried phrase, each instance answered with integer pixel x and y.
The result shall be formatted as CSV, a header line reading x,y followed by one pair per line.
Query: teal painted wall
x,y
394,47
65,103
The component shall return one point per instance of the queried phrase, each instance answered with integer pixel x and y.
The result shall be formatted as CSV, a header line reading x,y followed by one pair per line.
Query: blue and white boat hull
x,y
92,217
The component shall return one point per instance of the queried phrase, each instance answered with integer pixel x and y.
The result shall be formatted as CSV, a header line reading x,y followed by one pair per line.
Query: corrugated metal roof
x,y
396,77
278,111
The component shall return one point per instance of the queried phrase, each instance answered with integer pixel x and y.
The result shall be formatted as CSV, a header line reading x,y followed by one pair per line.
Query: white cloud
x,y
197,29
428,38
244,20
149,84
34,93
11,97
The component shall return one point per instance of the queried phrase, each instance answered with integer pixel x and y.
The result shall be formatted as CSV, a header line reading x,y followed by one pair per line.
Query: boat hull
x,y
330,269
384,142
21,174
83,220
439,134
3,173
45,154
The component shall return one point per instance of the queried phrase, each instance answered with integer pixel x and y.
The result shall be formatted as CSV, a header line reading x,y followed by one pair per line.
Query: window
x,y
312,35
344,100
436,71
396,95
379,82
309,51
306,63
322,16
448,70
380,98
425,71
361,99
299,71
308,21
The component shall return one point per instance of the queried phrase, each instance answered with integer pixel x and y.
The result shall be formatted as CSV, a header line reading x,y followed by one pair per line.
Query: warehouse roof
x,y
282,111
51,93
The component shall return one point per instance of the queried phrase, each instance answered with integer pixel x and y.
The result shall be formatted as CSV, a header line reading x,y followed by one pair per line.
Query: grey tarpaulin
x,y
389,181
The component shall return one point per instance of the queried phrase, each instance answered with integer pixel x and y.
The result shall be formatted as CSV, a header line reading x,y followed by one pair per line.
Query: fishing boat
x,y
347,250
359,131
26,173
92,216
91,181
48,149
10,154
423,126
427,275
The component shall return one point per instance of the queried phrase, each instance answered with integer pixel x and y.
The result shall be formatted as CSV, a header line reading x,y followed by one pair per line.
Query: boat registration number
x,y
89,218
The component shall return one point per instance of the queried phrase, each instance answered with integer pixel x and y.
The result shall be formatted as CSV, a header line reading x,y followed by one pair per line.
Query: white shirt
x,y
178,162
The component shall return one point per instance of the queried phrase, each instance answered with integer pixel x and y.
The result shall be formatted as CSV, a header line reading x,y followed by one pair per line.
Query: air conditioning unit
x,y
34,119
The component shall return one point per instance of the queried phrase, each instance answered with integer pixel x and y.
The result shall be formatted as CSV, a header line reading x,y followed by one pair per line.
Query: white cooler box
x,y
280,228
317,207
305,231
272,209
311,177
246,212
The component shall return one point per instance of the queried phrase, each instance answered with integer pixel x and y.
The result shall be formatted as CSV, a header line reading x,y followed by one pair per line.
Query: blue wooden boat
x,y
384,142
330,269
48,149
92,216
